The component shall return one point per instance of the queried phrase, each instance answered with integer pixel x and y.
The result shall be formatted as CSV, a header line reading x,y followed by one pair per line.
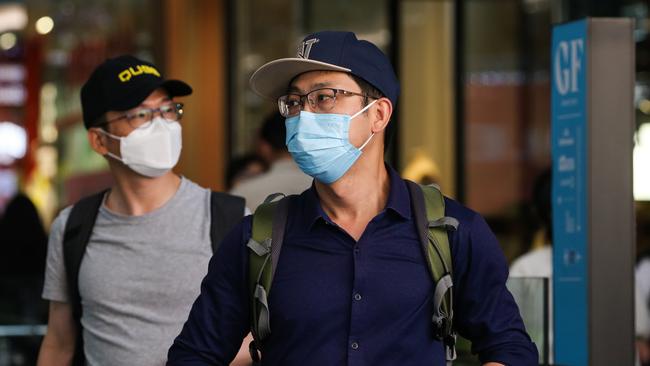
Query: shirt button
x,y
357,296
356,249
354,345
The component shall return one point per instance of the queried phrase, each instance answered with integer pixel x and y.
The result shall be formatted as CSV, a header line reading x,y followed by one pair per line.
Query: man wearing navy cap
x,y
120,292
351,286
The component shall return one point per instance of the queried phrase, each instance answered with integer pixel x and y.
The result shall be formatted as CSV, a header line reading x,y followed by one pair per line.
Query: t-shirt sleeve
x,y
55,287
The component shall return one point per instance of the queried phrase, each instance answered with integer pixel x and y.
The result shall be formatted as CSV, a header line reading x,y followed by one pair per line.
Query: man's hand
x,y
243,357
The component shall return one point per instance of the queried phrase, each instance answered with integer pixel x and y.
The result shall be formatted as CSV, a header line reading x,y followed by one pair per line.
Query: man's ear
x,y
381,114
97,141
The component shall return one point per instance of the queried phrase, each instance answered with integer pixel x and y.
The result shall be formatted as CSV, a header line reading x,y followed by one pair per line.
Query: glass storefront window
x,y
506,111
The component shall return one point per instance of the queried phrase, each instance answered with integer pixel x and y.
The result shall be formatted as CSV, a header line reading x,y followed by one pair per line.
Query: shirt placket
x,y
358,306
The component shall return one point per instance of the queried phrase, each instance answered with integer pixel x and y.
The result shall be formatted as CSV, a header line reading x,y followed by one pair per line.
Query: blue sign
x,y
569,152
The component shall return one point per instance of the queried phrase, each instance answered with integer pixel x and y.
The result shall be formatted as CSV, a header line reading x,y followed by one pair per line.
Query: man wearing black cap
x,y
351,285
120,294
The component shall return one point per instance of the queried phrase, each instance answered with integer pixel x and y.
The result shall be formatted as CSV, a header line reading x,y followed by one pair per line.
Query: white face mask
x,y
152,149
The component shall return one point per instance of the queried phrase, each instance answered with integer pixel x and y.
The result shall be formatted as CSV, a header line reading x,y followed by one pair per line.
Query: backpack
x,y
428,204
225,212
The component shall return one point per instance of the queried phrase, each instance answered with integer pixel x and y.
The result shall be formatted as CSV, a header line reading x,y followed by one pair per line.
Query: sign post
x,y
592,129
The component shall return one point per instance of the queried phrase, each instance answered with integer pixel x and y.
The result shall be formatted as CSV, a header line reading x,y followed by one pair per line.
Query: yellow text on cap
x,y
127,74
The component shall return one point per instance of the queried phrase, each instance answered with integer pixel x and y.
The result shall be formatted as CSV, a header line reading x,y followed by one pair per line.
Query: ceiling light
x,y
7,41
44,25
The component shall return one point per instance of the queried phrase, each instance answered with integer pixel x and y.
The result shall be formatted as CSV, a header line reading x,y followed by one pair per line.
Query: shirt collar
x,y
398,201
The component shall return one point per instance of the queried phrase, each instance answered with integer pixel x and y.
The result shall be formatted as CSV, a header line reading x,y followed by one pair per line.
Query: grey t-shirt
x,y
138,277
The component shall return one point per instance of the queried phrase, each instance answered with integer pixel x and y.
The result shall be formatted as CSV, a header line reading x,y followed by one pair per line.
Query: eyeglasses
x,y
320,101
141,116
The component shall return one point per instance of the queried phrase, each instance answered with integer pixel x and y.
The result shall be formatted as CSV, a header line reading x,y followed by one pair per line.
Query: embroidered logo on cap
x,y
305,47
127,74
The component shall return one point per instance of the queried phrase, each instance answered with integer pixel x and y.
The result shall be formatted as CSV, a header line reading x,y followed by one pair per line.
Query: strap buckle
x,y
450,348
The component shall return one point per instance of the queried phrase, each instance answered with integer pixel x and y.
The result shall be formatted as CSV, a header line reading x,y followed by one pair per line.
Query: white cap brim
x,y
272,79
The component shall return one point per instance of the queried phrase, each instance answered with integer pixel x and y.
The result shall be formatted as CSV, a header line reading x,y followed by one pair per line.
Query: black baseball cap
x,y
122,83
328,51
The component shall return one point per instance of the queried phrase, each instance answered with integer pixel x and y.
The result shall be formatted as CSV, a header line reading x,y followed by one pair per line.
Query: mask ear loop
x,y
367,141
364,109
113,137
109,134
358,113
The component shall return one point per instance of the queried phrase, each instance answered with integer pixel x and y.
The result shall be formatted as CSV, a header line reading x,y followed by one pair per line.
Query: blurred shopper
x,y
23,241
23,246
284,176
244,168
538,261
124,265
351,286
422,168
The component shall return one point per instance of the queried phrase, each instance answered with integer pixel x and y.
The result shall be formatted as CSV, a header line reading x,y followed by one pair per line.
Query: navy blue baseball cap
x,y
328,51
122,83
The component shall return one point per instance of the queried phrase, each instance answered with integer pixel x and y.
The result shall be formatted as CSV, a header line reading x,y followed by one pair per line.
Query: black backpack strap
x,y
76,235
225,212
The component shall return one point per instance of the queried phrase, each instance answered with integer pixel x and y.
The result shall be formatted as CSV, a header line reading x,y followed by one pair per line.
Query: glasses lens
x,y
172,112
282,106
289,105
139,117
322,100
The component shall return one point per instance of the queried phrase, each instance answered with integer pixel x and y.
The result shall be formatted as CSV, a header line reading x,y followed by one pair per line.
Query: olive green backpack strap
x,y
265,244
429,207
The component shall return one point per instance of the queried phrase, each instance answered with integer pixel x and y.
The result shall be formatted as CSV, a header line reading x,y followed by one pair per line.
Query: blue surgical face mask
x,y
320,145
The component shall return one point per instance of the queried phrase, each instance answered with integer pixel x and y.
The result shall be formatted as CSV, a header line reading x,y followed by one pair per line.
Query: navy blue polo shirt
x,y
337,301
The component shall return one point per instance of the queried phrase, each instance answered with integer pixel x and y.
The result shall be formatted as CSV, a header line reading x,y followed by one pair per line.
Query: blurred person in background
x,y
422,169
123,293
538,263
243,168
23,240
283,176
23,245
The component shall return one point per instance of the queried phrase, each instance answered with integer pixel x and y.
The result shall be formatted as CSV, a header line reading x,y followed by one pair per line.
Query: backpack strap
x,y
429,207
265,244
76,235
226,211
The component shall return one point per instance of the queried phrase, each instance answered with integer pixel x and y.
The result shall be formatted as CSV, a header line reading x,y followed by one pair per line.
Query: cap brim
x,y
272,79
175,88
